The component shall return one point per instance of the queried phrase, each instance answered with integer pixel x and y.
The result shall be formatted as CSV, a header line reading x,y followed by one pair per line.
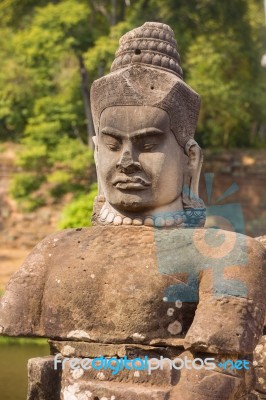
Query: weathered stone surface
x,y
112,391
126,384
251,396
260,365
160,377
213,384
168,342
260,396
44,380
262,240
85,349
208,386
166,383
240,336
80,290
260,353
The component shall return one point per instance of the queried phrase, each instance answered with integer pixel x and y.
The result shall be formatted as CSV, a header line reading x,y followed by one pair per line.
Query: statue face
x,y
139,162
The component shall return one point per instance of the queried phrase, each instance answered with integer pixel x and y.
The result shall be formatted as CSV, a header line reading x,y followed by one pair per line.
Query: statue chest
x,y
108,284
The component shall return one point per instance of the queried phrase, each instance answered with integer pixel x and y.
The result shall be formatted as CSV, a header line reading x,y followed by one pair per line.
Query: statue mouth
x,y
136,183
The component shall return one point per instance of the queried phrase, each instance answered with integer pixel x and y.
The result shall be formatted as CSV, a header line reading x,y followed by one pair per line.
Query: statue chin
x,y
127,203
130,202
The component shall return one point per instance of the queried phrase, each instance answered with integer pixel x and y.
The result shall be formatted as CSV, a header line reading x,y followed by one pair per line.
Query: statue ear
x,y
192,175
95,141
100,199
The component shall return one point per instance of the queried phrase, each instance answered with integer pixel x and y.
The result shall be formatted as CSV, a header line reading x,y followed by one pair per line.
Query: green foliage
x,y
225,108
42,106
78,213
101,55
51,171
23,188
16,95
221,45
24,183
72,154
40,78
31,202
5,340
33,157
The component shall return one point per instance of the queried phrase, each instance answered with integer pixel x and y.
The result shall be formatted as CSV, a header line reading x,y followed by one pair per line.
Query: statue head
x,y
148,164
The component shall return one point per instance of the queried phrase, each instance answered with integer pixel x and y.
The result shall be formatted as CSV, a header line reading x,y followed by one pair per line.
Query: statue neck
x,y
170,215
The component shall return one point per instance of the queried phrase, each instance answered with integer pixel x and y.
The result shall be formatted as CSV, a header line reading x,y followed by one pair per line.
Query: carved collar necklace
x,y
188,217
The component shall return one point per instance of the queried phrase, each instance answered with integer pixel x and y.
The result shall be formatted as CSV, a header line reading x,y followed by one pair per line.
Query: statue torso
x,y
110,284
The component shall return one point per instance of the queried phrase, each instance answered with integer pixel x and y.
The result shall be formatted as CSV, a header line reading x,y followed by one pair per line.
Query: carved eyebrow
x,y
138,134
147,132
112,132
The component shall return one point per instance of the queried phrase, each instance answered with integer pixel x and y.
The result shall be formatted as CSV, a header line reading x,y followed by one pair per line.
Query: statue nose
x,y
126,163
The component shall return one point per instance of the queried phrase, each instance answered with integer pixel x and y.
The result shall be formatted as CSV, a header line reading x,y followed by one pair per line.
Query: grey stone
x,y
260,365
163,383
44,380
85,349
78,291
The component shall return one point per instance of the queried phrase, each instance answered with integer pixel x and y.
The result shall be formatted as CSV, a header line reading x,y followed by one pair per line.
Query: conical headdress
x,y
146,72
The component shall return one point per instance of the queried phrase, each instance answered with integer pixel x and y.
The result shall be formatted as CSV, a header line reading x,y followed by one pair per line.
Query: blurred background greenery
x,y
52,51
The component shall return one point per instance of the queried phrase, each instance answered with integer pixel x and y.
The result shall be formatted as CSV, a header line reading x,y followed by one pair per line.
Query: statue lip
x,y
134,182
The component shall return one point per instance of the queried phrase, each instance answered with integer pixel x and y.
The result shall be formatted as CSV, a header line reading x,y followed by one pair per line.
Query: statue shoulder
x,y
262,241
20,306
220,247
40,259
41,253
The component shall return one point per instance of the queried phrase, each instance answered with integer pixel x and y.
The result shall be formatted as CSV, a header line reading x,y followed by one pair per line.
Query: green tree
x,y
53,51
55,131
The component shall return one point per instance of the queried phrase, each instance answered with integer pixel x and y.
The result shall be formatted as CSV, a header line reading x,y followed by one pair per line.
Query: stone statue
x,y
147,279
